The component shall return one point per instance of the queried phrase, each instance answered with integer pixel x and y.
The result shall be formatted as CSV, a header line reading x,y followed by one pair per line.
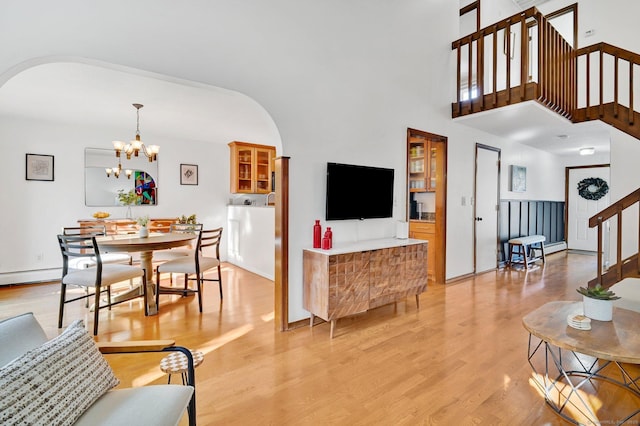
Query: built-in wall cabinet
x,y
251,168
426,196
423,165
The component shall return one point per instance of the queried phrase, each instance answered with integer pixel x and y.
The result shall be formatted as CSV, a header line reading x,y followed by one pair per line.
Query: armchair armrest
x,y
135,346
167,345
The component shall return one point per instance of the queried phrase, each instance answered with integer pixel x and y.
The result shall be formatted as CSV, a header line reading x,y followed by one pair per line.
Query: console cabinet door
x,y
386,270
348,284
416,267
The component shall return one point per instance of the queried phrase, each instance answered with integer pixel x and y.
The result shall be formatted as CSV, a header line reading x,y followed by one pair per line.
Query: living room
x,y
341,82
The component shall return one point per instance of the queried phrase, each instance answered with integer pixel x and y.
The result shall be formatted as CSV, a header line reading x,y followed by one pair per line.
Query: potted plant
x,y
597,302
143,221
127,199
190,220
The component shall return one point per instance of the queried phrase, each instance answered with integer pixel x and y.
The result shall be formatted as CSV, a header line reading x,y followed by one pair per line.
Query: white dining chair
x,y
98,278
194,264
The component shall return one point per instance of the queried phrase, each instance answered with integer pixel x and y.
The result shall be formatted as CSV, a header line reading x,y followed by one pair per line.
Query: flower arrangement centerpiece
x,y
143,221
597,302
188,220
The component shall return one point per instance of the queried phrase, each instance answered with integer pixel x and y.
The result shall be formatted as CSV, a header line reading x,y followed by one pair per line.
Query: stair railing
x,y
609,72
623,267
488,77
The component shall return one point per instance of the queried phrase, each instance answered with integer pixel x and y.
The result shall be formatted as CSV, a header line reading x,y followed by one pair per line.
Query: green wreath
x,y
592,188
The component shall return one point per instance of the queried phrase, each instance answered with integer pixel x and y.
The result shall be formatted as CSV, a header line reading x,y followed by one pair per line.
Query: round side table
x,y
176,363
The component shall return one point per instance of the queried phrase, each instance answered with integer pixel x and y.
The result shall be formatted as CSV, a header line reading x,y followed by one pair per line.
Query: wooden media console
x,y
354,278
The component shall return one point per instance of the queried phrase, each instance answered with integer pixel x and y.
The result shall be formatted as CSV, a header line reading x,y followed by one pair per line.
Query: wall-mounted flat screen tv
x,y
358,192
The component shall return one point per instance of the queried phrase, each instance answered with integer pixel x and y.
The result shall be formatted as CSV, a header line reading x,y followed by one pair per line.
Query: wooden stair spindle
x,y
631,110
619,246
600,250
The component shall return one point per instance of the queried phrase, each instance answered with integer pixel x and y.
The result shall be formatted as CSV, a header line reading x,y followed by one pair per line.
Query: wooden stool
x,y
177,362
525,247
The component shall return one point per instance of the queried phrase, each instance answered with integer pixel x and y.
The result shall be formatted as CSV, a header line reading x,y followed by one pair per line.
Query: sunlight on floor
x,y
507,381
579,401
208,347
268,317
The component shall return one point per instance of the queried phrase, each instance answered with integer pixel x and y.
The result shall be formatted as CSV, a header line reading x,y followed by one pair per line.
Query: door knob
x,y
478,219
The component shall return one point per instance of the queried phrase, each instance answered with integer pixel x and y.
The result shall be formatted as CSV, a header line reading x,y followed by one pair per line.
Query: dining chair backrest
x,y
209,238
96,230
77,247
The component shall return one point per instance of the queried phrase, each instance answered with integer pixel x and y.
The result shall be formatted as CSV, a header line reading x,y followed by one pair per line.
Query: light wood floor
x,y
459,360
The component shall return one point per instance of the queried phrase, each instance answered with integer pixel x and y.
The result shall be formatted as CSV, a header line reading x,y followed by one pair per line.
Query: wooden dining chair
x,y
194,264
94,230
161,256
99,278
175,253
82,263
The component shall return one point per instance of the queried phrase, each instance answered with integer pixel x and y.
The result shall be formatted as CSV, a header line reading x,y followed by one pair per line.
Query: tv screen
x,y
358,192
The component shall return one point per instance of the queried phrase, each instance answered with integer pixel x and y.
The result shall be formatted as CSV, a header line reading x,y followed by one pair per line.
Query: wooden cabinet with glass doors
x,y
426,196
251,167
422,165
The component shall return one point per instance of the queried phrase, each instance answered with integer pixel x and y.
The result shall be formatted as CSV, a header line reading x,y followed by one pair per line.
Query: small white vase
x,y
144,232
597,309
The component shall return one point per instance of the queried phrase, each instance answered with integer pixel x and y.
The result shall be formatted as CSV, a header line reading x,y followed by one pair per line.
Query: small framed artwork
x,y
188,174
39,167
518,179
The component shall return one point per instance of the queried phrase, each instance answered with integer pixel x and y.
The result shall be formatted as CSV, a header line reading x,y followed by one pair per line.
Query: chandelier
x,y
117,170
134,147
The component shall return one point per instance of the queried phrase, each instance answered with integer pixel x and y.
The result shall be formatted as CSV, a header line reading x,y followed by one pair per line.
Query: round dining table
x,y
145,246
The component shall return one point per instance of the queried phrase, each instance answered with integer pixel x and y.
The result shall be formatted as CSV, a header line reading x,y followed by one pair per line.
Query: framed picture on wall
x,y
188,174
518,179
39,167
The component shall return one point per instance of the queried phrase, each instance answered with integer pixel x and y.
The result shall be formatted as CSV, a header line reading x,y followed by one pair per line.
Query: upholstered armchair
x,y
66,380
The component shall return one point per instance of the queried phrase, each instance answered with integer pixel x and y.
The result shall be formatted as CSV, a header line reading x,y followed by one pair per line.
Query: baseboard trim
x,y
459,278
30,277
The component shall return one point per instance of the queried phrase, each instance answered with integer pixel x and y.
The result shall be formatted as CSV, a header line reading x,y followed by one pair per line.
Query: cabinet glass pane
x,y
432,169
417,166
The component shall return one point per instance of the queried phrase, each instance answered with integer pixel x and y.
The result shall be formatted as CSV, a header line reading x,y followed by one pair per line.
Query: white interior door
x,y
580,236
486,209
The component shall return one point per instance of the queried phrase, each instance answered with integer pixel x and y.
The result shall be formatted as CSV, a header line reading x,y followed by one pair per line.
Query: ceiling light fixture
x,y
587,151
133,147
136,146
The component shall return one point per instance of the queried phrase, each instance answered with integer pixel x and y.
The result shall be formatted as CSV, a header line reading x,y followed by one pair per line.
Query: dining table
x,y
133,243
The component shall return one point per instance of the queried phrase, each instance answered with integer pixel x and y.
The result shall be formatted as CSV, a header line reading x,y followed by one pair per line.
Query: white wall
x,y
342,81
625,178
545,174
